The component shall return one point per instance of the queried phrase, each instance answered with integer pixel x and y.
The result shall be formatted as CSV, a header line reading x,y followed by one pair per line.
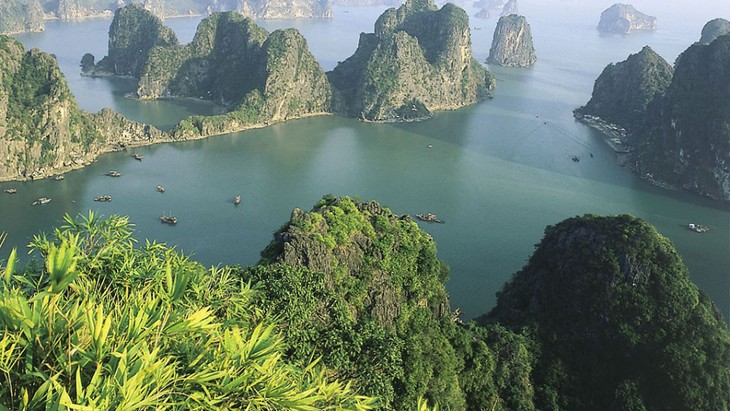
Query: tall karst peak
x,y
512,43
419,59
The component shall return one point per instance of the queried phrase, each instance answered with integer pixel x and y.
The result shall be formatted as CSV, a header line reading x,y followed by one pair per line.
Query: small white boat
x,y
42,200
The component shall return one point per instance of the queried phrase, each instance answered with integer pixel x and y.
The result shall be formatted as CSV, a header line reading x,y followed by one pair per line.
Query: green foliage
x,y
417,54
41,110
602,317
616,319
133,32
20,15
106,325
624,91
363,288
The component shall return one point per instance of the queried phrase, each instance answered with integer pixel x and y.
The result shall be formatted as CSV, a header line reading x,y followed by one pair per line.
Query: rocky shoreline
x,y
617,138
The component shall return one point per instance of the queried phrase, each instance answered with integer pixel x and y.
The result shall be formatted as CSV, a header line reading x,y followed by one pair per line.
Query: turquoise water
x,y
498,172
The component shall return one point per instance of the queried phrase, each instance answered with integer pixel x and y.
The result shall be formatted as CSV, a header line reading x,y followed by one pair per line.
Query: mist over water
x,y
498,172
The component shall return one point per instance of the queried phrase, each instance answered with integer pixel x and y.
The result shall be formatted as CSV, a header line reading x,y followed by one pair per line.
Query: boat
x,y
104,199
172,220
137,156
237,200
575,158
698,228
42,200
160,189
430,218
10,191
57,177
113,173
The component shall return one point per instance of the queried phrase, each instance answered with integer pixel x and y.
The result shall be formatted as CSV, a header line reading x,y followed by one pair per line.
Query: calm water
x,y
498,172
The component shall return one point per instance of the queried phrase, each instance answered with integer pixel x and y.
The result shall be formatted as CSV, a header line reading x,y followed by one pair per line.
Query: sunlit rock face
x,y
512,43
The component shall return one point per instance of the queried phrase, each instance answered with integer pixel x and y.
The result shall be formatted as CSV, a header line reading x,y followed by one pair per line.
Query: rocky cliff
x,y
617,323
263,78
714,29
42,130
624,90
418,59
689,146
623,19
17,16
133,32
512,43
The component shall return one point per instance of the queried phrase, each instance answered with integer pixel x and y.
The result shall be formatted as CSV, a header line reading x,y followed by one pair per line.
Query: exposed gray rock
x,y
512,43
623,19
714,29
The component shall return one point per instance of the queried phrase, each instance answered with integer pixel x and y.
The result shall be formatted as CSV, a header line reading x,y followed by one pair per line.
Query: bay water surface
x,y
497,172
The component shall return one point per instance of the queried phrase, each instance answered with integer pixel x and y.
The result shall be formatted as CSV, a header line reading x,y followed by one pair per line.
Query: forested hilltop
x,y
347,310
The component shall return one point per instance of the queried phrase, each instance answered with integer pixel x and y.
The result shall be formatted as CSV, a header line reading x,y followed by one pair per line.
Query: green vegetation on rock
x,y
512,43
347,310
133,32
17,16
418,60
689,146
678,120
623,19
261,77
714,29
42,130
624,90
617,323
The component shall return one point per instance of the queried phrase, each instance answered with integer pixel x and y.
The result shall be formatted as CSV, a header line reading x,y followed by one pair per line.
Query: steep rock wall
x,y
512,43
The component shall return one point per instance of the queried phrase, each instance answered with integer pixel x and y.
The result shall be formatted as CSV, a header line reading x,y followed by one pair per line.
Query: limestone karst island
x,y
364,205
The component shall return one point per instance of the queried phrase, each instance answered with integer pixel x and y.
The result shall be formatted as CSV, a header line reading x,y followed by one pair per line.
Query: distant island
x,y
27,15
623,19
347,309
676,120
512,43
